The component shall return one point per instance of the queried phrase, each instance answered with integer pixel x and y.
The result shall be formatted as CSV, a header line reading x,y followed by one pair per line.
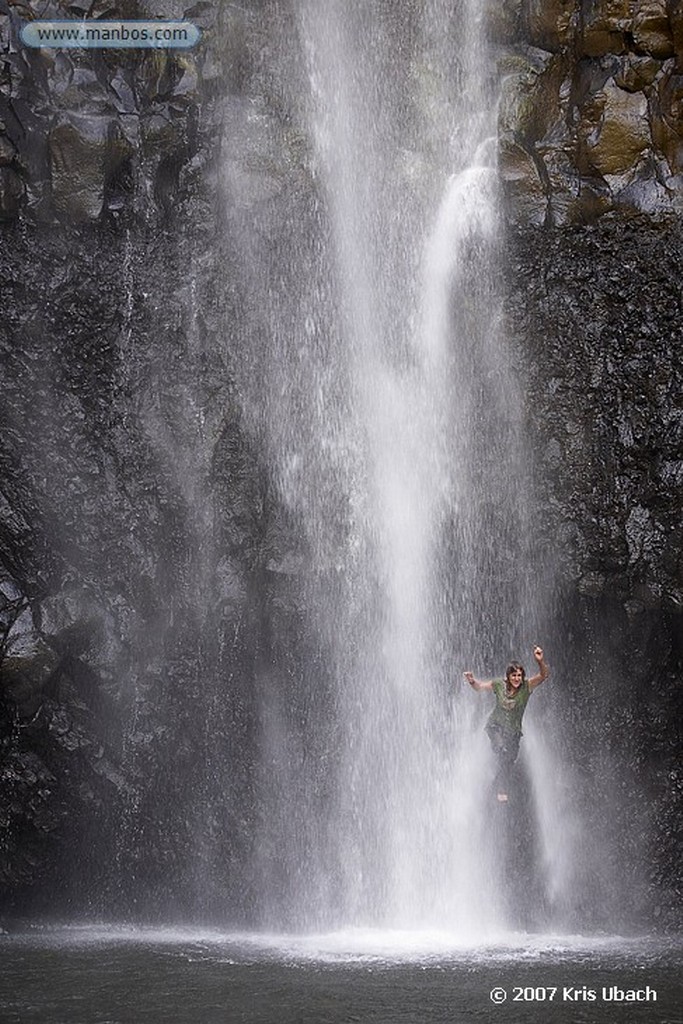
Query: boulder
x,y
85,154
675,14
24,678
644,194
7,151
564,184
80,91
529,103
186,88
61,612
526,198
78,149
640,535
614,130
667,119
11,193
651,30
552,23
604,25
636,72
122,91
22,639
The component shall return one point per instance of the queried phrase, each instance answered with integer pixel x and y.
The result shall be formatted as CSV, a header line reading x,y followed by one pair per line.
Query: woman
x,y
504,726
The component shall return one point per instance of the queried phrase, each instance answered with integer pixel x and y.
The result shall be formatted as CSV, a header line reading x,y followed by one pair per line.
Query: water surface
x,y
119,975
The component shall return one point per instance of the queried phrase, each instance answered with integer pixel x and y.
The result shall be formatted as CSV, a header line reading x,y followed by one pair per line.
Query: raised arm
x,y
543,670
477,684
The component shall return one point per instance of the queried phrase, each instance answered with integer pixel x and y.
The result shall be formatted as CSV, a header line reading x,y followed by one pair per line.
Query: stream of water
x,y
372,364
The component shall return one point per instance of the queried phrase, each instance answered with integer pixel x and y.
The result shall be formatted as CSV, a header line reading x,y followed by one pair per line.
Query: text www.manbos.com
x,y
105,34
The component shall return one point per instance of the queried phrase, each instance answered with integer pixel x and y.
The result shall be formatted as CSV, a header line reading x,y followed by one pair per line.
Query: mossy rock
x,y
614,130
552,23
636,72
652,32
604,27
530,103
77,158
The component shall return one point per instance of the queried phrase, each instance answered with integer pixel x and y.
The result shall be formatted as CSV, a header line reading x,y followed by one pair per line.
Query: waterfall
x,y
372,367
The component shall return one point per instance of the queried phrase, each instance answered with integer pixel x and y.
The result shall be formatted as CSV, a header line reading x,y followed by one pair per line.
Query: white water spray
x,y
392,421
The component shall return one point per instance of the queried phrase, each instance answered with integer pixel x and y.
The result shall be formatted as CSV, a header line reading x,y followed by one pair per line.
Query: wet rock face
x,y
596,311
108,372
131,522
86,133
590,120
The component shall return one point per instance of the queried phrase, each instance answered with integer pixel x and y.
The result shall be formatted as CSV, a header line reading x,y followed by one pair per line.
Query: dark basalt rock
x,y
93,521
595,312
90,131
11,193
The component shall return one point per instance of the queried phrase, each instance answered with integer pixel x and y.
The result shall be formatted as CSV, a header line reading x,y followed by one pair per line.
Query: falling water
x,y
372,365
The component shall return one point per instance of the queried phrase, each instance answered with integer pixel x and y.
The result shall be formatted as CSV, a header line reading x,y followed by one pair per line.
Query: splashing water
x,y
392,421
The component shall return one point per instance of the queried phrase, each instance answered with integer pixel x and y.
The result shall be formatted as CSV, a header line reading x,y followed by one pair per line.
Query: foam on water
x,y
356,945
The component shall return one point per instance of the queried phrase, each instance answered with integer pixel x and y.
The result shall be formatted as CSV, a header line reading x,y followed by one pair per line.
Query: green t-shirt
x,y
509,709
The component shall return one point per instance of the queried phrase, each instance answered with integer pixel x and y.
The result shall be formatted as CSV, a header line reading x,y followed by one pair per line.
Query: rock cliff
x,y
590,114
